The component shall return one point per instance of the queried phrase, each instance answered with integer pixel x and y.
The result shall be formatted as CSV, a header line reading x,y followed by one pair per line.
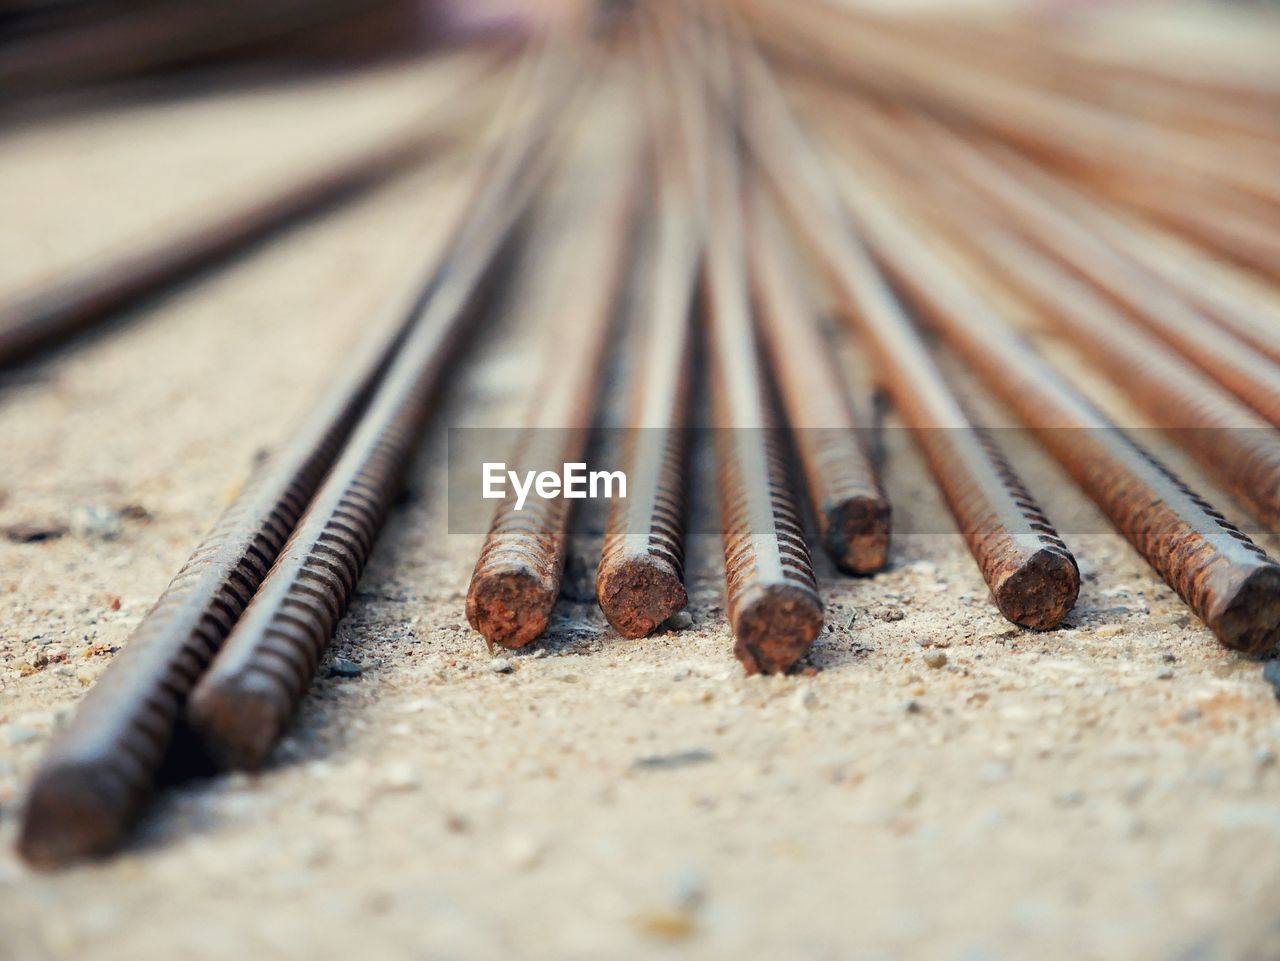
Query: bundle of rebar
x,y
733,167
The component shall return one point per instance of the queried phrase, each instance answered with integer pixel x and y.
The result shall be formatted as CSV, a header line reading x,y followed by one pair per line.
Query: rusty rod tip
x,y
72,813
1041,591
638,592
857,533
774,625
1248,619
239,720
510,606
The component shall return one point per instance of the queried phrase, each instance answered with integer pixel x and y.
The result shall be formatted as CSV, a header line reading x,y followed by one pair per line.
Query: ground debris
x,y
661,762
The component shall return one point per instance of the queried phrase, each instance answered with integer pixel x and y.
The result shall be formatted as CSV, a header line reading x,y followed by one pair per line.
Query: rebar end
x,y
856,533
637,592
73,812
1248,619
774,625
1041,591
238,719
510,607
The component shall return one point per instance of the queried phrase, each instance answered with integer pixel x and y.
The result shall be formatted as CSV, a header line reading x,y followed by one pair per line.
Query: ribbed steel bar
x,y
1033,578
1224,198
1029,55
640,577
1228,439
773,604
100,770
47,316
245,701
1124,281
852,511
516,580
859,45
1228,581
1243,306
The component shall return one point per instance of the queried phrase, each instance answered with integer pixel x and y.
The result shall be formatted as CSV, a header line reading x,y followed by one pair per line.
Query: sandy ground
x,y
1103,791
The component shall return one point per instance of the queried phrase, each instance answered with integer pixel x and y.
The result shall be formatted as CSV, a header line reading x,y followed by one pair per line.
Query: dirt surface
x,y
939,786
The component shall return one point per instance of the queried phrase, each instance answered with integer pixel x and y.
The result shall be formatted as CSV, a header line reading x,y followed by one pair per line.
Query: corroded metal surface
x,y
1230,440
1158,308
773,603
516,580
101,769
1033,577
852,511
244,702
640,578
1227,580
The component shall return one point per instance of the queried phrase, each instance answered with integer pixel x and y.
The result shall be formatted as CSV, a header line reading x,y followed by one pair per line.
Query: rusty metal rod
x,y
1228,439
516,580
99,772
773,604
772,600
1033,578
45,317
1241,305
1177,180
1122,280
244,702
1228,581
1031,55
859,45
852,511
640,577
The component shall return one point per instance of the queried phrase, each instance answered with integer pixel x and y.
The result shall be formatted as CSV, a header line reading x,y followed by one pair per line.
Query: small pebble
x,y
500,665
1271,674
523,852
678,621
1164,674
689,889
1109,630
995,772
665,761
665,925
891,614
399,777
341,667
33,533
95,523
805,699
936,659
15,734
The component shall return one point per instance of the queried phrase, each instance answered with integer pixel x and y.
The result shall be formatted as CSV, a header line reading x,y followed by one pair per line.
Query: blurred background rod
x,y
848,501
640,577
48,316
